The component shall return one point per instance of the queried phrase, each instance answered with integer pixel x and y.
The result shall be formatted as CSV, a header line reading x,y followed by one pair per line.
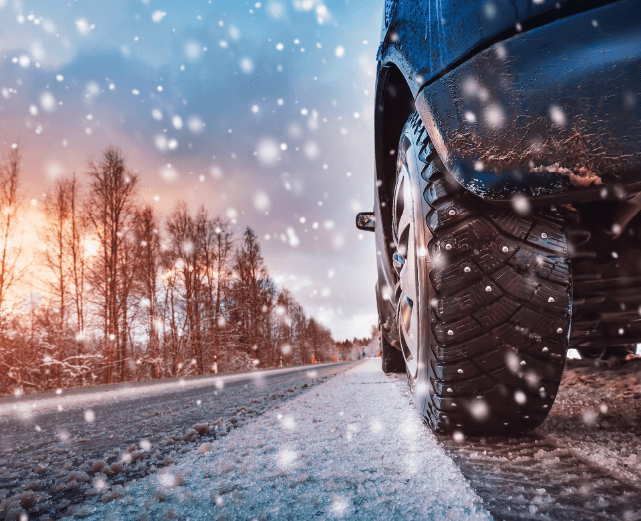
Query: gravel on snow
x,y
350,448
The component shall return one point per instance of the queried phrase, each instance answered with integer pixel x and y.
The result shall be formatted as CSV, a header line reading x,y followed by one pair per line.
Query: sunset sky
x,y
261,111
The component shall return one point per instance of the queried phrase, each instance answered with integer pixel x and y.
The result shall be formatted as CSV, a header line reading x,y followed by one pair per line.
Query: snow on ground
x,y
350,448
597,416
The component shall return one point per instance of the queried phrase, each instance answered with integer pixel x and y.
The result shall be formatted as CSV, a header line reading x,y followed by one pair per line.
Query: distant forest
x,y
121,294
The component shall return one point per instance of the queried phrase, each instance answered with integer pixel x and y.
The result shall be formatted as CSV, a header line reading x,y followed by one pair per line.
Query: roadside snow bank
x,y
351,448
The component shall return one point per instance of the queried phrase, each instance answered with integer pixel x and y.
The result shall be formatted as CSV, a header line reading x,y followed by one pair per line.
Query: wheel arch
x,y
394,104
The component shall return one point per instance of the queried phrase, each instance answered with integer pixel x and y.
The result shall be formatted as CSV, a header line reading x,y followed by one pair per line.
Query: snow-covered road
x,y
351,448
334,441
52,446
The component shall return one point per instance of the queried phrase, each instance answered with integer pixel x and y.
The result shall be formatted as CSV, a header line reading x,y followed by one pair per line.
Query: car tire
x,y
483,299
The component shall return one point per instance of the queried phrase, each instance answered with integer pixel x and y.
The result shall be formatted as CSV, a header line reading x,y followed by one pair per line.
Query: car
x,y
507,199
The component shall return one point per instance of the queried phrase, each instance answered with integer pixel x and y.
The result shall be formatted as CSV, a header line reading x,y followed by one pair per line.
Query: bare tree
x,y
184,254
109,208
253,295
128,267
172,338
63,236
318,340
55,256
217,258
77,235
147,250
10,252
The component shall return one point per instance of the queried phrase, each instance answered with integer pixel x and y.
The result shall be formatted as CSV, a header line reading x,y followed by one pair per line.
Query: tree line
x,y
119,293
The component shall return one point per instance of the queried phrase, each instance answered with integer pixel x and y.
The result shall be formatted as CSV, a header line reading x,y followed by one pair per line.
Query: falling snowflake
x,y
168,173
261,201
193,50
84,27
195,124
47,101
247,65
557,116
268,151
158,16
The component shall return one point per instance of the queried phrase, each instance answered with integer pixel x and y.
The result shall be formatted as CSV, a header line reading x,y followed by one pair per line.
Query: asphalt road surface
x,y
45,437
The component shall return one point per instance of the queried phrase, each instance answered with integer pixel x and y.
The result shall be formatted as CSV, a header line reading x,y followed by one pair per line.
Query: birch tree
x,y
110,208
12,266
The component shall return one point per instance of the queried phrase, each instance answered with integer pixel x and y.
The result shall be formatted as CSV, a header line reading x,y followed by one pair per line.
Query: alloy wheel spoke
x,y
408,308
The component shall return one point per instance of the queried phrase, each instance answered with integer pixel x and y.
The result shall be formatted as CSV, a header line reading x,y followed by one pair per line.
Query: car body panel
x,y
553,111
426,37
549,111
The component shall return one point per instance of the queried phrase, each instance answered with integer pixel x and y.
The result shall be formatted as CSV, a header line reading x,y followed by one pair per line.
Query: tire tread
x,y
501,326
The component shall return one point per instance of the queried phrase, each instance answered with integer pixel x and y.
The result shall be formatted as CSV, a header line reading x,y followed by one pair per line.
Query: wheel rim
x,y
405,263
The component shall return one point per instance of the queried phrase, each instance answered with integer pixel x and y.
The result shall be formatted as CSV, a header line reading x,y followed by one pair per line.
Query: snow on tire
x,y
483,299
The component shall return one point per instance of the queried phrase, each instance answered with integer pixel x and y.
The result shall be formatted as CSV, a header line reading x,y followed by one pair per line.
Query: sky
x,y
260,111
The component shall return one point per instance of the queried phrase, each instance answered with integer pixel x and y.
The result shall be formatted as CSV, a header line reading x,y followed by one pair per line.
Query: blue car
x,y
506,214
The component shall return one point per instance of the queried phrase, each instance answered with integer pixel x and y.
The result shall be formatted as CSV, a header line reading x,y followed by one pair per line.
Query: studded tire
x,y
491,302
